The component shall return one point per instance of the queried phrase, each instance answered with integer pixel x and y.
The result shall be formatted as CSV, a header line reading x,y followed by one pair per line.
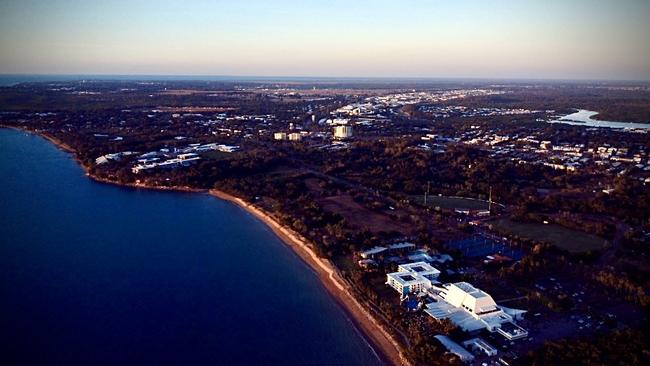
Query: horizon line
x,y
197,77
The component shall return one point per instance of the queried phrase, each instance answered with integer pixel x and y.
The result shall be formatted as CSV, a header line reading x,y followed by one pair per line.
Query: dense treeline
x,y
619,348
393,166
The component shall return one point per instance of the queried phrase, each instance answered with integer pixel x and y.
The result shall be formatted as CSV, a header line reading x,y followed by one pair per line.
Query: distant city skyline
x,y
552,39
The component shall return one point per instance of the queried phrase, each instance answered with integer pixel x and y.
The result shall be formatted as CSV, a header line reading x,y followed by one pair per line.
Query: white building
x,y
370,253
455,348
412,278
101,160
280,135
421,268
405,245
406,282
188,157
338,121
295,136
116,157
342,132
472,309
478,344
420,256
181,160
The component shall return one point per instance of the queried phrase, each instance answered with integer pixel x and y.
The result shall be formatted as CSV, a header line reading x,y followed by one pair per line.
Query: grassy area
x,y
571,240
451,202
360,217
218,155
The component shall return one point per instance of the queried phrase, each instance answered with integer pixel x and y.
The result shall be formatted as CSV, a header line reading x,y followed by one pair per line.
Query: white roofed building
x,y
464,295
370,253
412,278
421,268
401,246
455,348
407,283
479,344
472,309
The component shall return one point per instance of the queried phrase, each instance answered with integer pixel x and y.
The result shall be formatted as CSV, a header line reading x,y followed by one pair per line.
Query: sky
x,y
532,39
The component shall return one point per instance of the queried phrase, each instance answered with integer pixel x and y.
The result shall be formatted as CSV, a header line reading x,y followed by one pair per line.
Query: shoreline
x,y
382,343
379,340
595,119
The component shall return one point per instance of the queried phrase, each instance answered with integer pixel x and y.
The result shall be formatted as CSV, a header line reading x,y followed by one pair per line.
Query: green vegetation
x,y
626,347
218,155
566,239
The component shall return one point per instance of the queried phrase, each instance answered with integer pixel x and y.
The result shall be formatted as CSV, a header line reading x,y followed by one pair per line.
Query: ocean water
x,y
94,274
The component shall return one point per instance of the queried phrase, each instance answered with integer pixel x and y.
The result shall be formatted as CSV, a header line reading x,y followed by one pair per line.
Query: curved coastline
x,y
383,344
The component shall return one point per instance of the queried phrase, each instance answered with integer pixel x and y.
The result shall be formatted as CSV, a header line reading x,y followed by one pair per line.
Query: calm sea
x,y
94,274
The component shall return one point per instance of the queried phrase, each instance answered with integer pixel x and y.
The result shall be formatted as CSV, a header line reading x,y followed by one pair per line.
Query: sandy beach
x,y
384,345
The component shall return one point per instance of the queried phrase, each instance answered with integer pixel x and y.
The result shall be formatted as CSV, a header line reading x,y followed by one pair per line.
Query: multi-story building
x,y
412,278
342,132
472,309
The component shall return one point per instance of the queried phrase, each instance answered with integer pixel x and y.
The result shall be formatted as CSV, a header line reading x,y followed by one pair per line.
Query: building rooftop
x,y
418,275
482,345
404,278
512,331
372,251
420,257
455,348
443,310
472,309
402,245
421,268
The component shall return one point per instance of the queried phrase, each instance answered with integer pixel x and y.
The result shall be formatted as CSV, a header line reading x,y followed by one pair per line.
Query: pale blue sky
x,y
576,39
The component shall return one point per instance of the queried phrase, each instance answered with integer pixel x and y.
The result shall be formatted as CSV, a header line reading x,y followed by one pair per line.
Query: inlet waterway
x,y
582,117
